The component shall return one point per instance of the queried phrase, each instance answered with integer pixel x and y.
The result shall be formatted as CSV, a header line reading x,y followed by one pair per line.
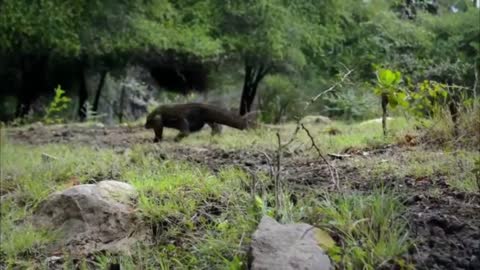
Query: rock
x,y
125,96
285,247
91,217
316,119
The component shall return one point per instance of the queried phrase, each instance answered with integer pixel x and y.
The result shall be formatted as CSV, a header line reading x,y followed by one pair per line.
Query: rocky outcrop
x,y
124,97
286,247
91,217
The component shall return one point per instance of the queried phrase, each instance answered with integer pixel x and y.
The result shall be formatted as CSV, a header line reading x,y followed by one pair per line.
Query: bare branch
x,y
277,174
331,88
331,168
475,85
312,100
253,188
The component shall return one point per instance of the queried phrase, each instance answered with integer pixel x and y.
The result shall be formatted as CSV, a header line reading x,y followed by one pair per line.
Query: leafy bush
x,y
350,104
58,105
279,99
388,82
427,98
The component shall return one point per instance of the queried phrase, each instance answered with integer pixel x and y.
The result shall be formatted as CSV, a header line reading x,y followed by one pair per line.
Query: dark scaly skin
x,y
191,117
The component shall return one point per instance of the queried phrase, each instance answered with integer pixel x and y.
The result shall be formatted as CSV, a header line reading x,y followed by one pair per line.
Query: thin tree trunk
x,y
475,85
103,76
120,109
453,108
82,94
384,113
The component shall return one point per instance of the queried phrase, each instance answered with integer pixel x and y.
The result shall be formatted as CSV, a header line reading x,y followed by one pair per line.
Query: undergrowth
x,y
200,219
456,168
372,230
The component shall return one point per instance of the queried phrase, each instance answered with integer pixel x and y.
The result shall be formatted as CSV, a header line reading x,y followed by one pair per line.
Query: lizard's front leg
x,y
184,128
158,133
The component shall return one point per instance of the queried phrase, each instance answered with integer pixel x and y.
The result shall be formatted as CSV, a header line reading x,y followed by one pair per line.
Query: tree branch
x,y
331,168
313,99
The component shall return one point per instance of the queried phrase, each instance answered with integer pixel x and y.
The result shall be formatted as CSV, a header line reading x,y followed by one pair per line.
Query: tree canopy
x,y
306,38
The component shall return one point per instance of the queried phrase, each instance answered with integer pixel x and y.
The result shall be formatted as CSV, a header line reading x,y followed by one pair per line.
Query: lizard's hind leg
x,y
216,128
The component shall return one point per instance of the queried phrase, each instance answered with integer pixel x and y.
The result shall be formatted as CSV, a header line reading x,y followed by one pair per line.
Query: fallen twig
x,y
339,156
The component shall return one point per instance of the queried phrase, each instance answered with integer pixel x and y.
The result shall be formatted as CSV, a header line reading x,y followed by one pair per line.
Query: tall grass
x,y
371,227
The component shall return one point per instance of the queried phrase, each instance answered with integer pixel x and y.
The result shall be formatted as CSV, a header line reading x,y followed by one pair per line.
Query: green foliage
x,y
424,98
428,99
58,105
31,27
350,103
372,229
279,100
311,39
388,82
22,240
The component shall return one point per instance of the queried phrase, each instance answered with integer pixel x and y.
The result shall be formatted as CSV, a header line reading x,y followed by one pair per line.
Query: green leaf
x,y
388,77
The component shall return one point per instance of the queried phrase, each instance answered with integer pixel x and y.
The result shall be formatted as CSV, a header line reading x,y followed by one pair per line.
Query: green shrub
x,y
279,99
58,106
350,104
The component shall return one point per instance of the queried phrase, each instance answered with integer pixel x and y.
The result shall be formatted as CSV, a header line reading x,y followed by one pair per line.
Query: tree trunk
x,y
453,107
82,94
120,109
253,75
103,75
32,82
384,113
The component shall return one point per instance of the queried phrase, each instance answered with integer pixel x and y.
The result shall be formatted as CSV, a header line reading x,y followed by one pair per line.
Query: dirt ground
x,y
446,226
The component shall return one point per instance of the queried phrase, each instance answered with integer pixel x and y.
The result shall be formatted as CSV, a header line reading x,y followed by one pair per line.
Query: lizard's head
x,y
153,120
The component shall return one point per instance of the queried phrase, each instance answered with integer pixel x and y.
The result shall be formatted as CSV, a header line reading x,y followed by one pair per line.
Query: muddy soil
x,y
446,226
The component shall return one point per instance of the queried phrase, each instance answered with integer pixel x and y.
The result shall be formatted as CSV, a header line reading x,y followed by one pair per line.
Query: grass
x,y
455,167
371,226
358,135
204,220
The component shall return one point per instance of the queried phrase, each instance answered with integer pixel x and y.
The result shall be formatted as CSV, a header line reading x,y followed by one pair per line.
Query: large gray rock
x,y
91,217
286,247
126,96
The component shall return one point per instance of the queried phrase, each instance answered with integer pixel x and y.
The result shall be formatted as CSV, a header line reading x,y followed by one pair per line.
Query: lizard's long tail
x,y
230,119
